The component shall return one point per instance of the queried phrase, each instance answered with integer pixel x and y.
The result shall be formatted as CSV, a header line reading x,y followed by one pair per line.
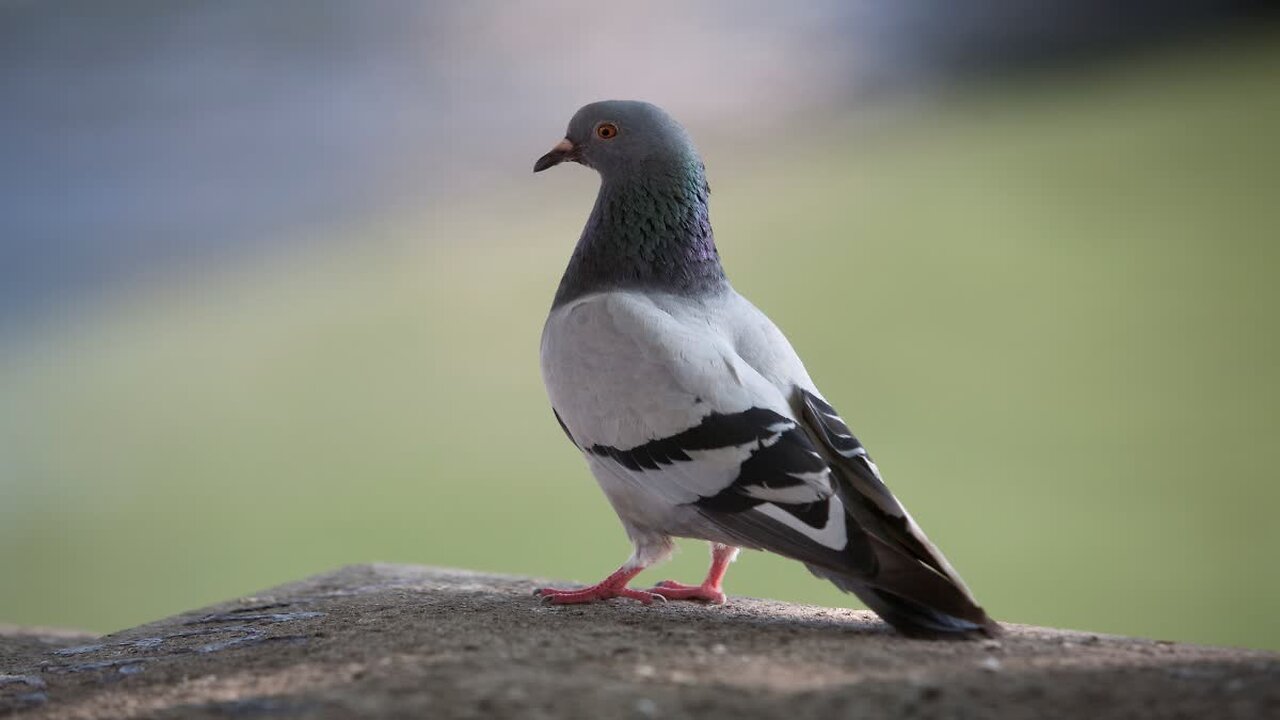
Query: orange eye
x,y
606,131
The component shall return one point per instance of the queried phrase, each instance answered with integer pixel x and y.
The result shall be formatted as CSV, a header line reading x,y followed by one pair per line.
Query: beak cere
x,y
564,150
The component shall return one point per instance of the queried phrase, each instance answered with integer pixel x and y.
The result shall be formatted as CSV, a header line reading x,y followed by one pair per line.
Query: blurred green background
x,y
1046,302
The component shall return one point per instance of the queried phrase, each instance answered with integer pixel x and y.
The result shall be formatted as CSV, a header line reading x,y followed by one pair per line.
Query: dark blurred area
x,y
948,41
143,135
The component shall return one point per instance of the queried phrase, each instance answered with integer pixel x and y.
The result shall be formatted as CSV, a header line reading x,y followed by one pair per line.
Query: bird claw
x,y
596,593
672,590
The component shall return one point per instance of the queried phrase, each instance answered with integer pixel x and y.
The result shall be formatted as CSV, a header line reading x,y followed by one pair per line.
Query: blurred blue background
x,y
272,277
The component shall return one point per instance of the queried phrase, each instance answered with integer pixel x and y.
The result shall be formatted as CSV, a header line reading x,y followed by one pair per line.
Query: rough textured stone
x,y
414,642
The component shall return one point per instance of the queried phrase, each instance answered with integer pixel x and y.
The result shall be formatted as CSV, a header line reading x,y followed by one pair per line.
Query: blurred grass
x,y
1048,307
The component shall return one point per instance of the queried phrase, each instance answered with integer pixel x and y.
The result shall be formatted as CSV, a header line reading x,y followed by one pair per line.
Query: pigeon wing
x,y
667,406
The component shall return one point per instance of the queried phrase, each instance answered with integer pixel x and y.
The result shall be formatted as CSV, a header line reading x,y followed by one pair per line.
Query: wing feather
x,y
865,493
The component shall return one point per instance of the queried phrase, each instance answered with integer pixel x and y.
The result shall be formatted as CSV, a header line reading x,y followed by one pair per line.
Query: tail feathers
x,y
900,575
919,599
912,618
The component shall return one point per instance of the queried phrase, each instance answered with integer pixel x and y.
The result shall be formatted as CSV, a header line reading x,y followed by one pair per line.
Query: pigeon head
x,y
620,138
650,228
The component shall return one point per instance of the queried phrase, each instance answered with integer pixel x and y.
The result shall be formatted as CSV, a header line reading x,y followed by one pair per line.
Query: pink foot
x,y
673,590
596,593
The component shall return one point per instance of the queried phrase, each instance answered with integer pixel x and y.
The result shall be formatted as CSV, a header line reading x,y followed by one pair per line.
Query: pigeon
x,y
693,411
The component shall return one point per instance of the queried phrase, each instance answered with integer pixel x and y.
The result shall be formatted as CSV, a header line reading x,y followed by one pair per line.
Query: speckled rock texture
x,y
389,641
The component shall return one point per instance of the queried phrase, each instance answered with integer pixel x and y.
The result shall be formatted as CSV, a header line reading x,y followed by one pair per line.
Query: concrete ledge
x,y
418,642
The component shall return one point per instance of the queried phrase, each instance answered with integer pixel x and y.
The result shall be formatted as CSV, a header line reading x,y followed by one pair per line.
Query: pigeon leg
x,y
710,590
611,587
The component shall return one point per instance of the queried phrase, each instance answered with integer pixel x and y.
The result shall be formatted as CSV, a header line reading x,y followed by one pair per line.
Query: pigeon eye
x,y
606,131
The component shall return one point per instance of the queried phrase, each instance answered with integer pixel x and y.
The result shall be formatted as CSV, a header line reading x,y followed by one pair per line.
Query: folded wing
x,y
671,408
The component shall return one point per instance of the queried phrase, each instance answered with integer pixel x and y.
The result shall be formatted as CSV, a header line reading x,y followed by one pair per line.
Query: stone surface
x,y
415,642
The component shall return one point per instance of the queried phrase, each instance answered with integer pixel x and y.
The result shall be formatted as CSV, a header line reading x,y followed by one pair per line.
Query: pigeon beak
x,y
564,150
